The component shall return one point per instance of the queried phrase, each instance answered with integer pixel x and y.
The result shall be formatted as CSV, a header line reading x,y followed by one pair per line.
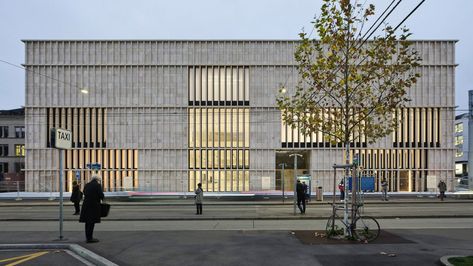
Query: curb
x,y
77,249
209,203
444,259
214,218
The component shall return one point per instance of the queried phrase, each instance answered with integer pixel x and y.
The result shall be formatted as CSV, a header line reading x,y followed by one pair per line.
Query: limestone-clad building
x,y
162,116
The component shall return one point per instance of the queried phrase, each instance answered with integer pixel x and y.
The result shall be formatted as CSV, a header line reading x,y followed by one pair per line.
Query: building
x,y
165,115
461,145
12,148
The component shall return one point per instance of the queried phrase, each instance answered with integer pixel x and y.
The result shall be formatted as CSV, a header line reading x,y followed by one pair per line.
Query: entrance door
x,y
405,181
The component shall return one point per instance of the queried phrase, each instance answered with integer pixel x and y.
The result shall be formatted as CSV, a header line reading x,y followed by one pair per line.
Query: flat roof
x,y
197,40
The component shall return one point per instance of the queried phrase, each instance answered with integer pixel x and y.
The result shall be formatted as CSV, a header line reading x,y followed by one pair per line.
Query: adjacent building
x,y
162,116
12,148
461,145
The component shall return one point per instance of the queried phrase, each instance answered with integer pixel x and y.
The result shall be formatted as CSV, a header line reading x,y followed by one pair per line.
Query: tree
x,y
349,87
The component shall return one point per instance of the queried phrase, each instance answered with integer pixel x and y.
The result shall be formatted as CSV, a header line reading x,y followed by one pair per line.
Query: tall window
x,y
3,149
20,150
459,128
3,131
19,166
3,167
219,137
20,132
88,125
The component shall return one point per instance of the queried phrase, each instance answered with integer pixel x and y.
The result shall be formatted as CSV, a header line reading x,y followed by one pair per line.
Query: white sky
x,y
206,19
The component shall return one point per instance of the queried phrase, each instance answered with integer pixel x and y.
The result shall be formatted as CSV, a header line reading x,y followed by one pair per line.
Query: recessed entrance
x,y
285,180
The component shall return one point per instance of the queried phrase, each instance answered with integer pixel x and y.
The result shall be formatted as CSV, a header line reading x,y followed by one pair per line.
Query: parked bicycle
x,y
362,228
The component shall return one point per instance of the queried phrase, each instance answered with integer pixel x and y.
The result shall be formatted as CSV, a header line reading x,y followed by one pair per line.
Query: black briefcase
x,y
104,209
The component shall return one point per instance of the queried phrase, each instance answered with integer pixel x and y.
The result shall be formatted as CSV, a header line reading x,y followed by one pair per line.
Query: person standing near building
x,y
306,192
384,189
90,215
76,197
341,187
442,188
199,198
300,196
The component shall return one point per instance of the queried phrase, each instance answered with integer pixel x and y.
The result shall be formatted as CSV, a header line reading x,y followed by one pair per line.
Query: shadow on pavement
x,y
318,237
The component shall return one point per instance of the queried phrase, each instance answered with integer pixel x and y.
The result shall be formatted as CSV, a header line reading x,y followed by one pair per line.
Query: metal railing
x,y
12,186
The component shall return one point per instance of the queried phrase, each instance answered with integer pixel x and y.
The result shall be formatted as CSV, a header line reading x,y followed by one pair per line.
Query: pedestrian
x,y
199,198
300,196
341,187
442,188
76,197
384,189
91,208
306,192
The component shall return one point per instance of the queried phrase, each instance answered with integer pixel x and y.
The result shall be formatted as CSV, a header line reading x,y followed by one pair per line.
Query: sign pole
x,y
61,201
61,139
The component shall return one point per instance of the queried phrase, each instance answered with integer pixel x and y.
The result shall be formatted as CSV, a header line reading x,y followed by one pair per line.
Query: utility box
x,y
319,194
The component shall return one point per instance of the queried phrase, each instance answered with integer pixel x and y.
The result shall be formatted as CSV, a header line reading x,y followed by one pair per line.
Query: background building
x,y
12,149
166,115
461,144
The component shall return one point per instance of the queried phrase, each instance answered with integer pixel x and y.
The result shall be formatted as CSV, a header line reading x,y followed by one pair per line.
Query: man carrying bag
x,y
92,207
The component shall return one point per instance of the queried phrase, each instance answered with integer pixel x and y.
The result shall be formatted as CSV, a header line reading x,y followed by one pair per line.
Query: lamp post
x,y
282,179
295,177
470,140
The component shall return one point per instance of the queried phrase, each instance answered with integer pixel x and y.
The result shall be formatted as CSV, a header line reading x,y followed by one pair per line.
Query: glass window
x,y
19,167
3,167
459,127
4,150
458,140
459,154
3,131
20,150
458,169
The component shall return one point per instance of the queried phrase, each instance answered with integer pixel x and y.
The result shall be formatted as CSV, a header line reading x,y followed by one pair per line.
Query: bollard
x,y
18,191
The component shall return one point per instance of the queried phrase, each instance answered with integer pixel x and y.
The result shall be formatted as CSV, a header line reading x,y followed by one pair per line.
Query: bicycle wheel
x,y
335,227
366,228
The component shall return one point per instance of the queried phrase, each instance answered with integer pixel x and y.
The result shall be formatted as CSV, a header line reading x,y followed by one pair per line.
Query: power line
x,y
369,35
41,74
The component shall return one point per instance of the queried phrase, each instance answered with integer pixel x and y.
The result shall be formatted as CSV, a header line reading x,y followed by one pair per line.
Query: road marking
x,y
24,258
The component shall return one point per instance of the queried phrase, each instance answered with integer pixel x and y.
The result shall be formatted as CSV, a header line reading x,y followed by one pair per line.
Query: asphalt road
x,y
124,212
246,234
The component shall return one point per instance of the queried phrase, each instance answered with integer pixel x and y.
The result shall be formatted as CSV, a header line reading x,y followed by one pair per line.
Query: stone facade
x,y
136,118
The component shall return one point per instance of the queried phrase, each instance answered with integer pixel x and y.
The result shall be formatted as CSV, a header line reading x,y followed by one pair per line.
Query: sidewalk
x,y
48,199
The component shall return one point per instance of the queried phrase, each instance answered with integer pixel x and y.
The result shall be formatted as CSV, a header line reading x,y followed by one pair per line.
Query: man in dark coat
x,y
300,196
442,188
76,196
90,214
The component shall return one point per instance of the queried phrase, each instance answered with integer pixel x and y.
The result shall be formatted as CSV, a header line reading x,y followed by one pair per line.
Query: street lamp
x,y
295,177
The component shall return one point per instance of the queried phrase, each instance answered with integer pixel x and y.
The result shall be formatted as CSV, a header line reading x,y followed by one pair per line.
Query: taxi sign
x,y
61,138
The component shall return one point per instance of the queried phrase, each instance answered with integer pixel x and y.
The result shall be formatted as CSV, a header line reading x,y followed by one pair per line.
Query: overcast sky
x,y
206,19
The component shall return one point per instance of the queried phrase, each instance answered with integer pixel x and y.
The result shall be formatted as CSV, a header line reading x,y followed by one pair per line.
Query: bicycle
x,y
364,228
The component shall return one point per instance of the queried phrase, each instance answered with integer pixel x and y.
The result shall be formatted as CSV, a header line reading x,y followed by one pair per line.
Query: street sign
x,y
366,184
61,138
94,166
77,175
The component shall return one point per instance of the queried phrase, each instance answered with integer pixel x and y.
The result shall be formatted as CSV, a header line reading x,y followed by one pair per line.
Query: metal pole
x,y
61,216
282,178
18,190
470,140
295,178
295,182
